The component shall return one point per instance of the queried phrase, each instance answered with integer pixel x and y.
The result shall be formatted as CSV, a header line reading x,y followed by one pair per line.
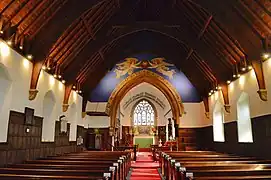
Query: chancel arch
x,y
48,123
243,119
218,122
137,78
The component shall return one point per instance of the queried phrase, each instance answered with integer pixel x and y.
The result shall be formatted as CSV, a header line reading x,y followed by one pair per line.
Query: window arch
x,y
243,119
218,123
143,114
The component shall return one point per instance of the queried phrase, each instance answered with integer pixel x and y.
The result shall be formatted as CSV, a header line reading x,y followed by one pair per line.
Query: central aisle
x,y
145,168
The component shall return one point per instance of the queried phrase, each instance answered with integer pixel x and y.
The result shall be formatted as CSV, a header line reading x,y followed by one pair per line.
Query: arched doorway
x,y
144,121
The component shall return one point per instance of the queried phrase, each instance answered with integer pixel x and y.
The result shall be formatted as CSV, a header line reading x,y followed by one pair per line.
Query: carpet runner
x,y
145,168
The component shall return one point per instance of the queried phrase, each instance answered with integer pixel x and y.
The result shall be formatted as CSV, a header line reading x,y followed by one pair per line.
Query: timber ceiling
x,y
209,40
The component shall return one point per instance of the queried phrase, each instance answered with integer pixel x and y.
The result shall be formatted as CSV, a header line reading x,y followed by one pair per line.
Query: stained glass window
x,y
143,114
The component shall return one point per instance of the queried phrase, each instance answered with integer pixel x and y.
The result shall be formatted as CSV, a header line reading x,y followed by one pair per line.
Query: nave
x,y
120,165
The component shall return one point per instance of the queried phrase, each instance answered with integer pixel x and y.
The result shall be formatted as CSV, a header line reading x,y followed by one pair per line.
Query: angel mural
x,y
158,64
162,67
125,67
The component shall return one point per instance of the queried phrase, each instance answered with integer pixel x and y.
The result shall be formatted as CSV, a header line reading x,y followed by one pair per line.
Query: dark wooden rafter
x,y
206,106
173,33
225,93
253,50
65,19
68,90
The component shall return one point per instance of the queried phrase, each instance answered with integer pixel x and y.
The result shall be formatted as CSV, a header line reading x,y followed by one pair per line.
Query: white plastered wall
x,y
246,83
16,98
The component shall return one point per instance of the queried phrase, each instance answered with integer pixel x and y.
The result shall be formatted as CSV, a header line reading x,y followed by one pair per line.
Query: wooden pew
x,y
205,165
94,165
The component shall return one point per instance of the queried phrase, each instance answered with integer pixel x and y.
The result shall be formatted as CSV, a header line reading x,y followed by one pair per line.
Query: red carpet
x,y
145,168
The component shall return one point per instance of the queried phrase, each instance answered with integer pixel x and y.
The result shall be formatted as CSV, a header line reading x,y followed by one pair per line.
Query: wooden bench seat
x,y
41,177
262,177
58,172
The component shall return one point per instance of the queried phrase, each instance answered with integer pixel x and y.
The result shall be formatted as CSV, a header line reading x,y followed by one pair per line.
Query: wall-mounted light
x,y
228,82
212,91
77,91
243,69
43,67
55,75
27,129
238,75
59,76
63,81
234,75
1,32
73,87
249,67
21,47
49,68
9,42
80,91
210,94
266,56
29,56
219,87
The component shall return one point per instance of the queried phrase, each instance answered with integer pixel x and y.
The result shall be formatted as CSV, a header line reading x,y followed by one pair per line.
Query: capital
x,y
32,94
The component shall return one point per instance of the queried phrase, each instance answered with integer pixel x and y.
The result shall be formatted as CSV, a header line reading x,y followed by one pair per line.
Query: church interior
x,y
135,89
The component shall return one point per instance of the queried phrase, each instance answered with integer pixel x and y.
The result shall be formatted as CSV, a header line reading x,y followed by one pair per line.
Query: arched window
x,y
244,121
143,114
218,123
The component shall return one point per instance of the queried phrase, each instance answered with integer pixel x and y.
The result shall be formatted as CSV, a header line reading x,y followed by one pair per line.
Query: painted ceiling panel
x,y
151,62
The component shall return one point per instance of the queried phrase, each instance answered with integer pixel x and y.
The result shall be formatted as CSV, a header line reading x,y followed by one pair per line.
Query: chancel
x,y
125,89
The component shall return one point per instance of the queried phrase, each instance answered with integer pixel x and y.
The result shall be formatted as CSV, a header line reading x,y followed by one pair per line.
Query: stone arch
x,y
48,123
218,122
152,78
243,119
152,105
72,119
5,99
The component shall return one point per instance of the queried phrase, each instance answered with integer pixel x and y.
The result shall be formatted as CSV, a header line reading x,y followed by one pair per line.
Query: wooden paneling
x,y
106,141
261,140
187,138
23,146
